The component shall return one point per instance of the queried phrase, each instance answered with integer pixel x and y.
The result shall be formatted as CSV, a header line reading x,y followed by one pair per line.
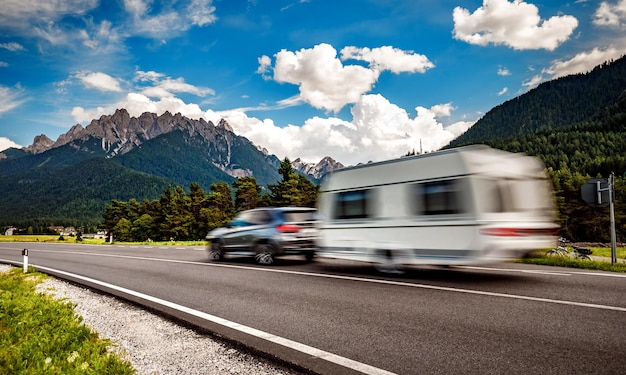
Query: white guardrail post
x,y
25,254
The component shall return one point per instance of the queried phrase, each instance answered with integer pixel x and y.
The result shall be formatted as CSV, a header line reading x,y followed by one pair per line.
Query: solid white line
x,y
330,357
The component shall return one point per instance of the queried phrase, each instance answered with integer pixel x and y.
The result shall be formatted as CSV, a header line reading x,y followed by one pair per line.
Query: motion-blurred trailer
x,y
467,205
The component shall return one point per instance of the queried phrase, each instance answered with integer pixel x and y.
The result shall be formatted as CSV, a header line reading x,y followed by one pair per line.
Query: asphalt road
x,y
339,317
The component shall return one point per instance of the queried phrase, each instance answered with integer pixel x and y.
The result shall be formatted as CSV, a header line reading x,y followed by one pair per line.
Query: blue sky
x,y
356,80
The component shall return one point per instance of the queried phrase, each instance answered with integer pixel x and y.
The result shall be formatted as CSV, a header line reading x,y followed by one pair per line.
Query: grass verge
x,y
558,261
42,335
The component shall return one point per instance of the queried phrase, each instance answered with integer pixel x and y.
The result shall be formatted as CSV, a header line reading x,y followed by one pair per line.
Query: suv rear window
x,y
299,216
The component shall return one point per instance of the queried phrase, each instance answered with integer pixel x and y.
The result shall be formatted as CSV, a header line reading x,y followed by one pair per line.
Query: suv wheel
x,y
264,254
216,254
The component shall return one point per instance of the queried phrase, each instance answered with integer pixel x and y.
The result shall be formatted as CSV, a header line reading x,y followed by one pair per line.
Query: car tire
x,y
264,254
216,253
309,255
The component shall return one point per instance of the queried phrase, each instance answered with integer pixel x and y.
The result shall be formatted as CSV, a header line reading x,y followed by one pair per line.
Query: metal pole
x,y
612,211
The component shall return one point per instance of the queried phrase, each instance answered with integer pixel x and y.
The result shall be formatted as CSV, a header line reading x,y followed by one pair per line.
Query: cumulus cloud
x,y
323,80
378,130
504,72
164,21
581,63
326,83
136,104
515,24
611,14
99,81
10,98
389,58
7,143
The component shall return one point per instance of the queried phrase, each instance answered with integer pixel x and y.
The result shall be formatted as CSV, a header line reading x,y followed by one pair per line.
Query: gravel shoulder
x,y
153,344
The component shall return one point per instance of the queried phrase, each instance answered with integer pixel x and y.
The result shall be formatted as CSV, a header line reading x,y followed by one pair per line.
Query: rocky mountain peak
x,y
326,165
40,144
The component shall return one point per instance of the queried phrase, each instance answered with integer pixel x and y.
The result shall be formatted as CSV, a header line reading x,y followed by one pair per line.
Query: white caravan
x,y
467,205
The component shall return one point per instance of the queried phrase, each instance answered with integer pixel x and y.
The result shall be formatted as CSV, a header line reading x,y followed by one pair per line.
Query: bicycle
x,y
583,253
577,252
560,250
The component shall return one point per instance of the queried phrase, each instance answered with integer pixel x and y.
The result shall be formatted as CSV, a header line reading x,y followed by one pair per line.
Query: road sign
x,y
596,192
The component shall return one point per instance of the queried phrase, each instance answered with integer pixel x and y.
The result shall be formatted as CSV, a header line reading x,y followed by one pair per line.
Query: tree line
x,y
181,215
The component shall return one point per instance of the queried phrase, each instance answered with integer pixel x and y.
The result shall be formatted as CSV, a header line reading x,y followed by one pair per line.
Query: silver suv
x,y
265,233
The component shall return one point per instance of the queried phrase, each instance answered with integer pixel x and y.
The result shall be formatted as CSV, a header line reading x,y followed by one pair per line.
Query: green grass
x,y
42,335
603,265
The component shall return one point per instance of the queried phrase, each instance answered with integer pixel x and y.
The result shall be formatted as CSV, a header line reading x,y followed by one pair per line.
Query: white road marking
x,y
388,282
312,351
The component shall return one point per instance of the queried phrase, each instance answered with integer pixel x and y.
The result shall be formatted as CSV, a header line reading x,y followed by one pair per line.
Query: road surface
x,y
339,317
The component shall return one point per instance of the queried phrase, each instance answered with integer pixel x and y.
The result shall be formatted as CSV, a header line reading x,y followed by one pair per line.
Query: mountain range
x,y
121,157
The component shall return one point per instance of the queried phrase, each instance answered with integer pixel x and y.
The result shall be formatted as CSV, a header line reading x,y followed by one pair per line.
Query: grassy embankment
x,y
42,335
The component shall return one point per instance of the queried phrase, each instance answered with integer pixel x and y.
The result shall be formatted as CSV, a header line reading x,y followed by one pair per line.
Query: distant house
x,y
102,235
69,231
56,228
10,231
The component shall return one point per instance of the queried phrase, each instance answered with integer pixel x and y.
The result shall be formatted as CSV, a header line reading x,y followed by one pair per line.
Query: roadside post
x,y
25,255
600,192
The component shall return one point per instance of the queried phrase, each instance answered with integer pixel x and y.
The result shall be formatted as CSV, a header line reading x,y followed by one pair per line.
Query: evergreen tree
x,y
247,193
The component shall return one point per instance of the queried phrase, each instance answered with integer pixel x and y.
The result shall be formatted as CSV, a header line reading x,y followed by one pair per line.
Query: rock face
x,y
318,170
40,144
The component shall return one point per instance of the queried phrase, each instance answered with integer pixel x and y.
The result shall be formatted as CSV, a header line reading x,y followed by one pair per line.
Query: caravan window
x,y
352,205
438,198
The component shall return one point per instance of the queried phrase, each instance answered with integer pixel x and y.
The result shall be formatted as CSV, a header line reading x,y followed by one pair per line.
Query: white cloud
x,y
503,91
12,46
265,64
99,81
168,21
136,104
583,62
4,64
389,58
515,24
534,81
323,80
164,86
22,14
11,98
379,130
201,12
612,15
7,143
326,83
504,72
